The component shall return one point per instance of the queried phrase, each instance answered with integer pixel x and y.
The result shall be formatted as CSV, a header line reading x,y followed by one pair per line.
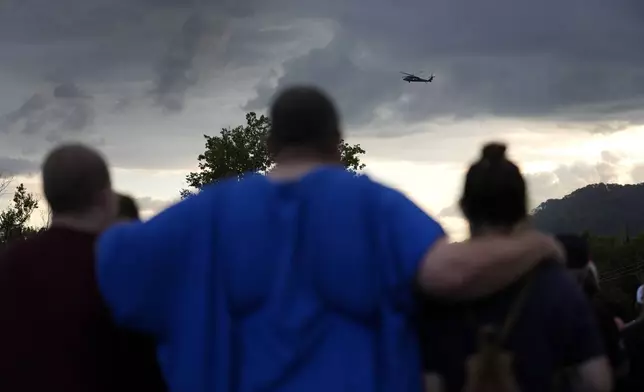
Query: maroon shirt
x,y
55,331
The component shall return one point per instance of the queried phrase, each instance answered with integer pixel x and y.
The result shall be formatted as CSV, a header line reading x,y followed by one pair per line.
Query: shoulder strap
x,y
517,307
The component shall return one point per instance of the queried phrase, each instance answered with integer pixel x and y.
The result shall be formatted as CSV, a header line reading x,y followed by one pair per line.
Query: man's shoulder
x,y
333,179
24,247
19,255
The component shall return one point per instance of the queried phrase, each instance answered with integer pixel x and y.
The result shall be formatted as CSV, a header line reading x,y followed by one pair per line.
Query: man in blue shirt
x,y
300,280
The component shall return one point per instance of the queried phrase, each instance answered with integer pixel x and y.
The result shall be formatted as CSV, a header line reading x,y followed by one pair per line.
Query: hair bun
x,y
494,152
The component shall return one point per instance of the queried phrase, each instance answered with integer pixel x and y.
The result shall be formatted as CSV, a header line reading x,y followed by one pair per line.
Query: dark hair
x,y
128,208
577,250
73,175
304,116
495,191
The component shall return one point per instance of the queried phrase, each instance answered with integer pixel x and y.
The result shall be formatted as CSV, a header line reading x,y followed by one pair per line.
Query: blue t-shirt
x,y
556,329
257,285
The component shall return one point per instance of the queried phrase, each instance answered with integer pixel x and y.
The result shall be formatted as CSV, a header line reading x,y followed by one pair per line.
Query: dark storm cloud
x,y
176,72
117,40
69,90
564,59
65,109
334,69
176,67
16,166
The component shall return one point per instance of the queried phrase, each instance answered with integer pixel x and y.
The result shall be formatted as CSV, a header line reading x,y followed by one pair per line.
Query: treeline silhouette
x,y
611,216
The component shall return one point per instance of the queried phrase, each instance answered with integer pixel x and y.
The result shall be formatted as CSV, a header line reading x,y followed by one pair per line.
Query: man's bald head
x,y
304,116
75,178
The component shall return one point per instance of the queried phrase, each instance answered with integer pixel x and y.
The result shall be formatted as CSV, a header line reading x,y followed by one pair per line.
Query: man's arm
x,y
481,266
139,265
460,270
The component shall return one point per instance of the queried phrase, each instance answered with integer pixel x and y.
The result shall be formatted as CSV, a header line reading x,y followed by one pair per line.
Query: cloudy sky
x,y
562,81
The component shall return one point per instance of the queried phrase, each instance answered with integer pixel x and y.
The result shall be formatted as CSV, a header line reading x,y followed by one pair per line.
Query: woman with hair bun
x,y
519,337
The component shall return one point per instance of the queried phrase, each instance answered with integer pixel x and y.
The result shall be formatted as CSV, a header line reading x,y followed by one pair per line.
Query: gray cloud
x,y
176,72
334,67
500,57
69,91
63,109
16,166
119,40
503,58
566,178
134,57
638,174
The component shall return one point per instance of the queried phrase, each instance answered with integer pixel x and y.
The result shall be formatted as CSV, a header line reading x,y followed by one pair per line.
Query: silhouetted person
x,y
299,280
542,323
55,332
578,262
633,334
128,210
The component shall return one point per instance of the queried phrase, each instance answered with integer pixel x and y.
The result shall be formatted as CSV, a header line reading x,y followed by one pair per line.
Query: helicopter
x,y
413,78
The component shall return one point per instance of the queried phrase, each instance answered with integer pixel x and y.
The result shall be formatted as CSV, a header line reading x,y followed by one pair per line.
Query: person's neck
x,y
293,166
485,230
83,222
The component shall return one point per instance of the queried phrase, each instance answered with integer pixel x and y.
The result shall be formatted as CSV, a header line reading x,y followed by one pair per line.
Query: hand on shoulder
x,y
544,244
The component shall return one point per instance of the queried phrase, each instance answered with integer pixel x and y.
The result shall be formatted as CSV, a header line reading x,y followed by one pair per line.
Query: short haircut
x,y
577,250
304,116
495,191
73,175
128,208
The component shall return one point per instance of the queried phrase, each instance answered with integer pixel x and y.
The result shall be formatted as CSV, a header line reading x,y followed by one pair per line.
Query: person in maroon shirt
x,y
55,331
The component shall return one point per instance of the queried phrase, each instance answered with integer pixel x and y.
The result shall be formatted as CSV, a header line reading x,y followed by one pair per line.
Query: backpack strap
x,y
517,307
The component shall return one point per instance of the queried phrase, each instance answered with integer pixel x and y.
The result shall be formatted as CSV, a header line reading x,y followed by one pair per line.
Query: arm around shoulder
x,y
468,269
481,266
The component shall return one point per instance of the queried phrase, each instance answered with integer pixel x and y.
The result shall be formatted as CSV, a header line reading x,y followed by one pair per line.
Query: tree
x,y
14,219
243,149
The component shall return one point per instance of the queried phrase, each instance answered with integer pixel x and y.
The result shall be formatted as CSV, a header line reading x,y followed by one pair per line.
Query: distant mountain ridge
x,y
601,209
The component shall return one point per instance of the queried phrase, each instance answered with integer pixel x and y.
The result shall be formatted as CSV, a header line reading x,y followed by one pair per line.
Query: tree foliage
x,y
14,219
601,209
620,262
243,149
